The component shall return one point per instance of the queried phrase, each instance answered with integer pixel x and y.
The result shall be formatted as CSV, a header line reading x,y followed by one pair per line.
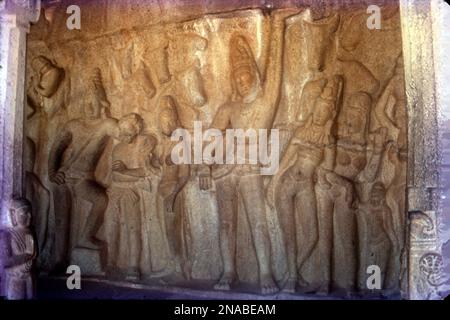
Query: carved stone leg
x,y
344,245
17,289
62,200
285,203
132,217
380,256
112,232
307,224
40,197
252,193
96,195
227,203
20,289
325,223
85,252
397,206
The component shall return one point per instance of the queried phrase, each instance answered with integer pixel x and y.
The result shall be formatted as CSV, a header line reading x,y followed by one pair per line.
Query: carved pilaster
x,y
15,19
425,260
424,257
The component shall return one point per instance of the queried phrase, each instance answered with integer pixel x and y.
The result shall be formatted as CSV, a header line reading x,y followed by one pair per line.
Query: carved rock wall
x,y
104,100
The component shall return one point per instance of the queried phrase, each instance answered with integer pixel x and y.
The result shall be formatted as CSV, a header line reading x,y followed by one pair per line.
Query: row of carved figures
x,y
338,194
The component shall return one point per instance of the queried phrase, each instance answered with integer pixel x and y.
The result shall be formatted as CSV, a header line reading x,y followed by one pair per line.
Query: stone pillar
x,y
15,19
423,256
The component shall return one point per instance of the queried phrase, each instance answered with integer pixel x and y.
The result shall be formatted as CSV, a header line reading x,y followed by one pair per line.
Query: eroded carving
x,y
253,105
132,170
107,194
73,166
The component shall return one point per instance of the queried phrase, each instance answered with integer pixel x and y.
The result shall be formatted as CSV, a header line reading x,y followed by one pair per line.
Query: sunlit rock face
x,y
104,100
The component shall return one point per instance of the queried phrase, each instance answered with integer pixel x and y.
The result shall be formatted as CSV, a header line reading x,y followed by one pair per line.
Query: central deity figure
x,y
252,106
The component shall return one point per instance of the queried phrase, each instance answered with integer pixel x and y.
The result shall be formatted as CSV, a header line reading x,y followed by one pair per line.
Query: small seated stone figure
x,y
18,251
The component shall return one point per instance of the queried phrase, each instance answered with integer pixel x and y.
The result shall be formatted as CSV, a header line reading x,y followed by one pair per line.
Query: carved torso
x,y
22,242
88,138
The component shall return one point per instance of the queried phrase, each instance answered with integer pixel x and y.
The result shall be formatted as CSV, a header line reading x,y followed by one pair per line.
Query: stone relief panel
x,y
108,196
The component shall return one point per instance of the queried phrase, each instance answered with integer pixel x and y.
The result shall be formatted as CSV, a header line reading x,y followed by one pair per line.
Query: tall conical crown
x,y
241,56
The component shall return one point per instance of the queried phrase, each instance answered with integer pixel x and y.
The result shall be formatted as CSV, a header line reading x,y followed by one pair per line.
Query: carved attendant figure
x,y
390,111
375,223
18,251
131,165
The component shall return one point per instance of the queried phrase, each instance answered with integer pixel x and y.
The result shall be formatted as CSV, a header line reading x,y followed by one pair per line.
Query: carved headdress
x,y
40,62
242,60
13,205
331,94
241,56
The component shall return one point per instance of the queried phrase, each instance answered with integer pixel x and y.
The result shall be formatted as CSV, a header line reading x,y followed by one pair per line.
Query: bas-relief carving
x,y
106,194
47,96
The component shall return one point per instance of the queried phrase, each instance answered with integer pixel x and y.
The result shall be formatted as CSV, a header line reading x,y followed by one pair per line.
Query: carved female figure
x,y
354,165
390,112
291,191
173,179
131,169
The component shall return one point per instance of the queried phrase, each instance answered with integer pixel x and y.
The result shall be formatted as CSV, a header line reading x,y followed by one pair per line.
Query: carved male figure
x,y
73,162
18,250
253,105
